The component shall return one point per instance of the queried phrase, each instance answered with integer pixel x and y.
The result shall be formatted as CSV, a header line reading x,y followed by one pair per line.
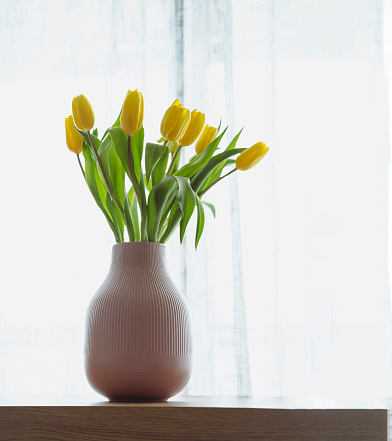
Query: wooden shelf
x,y
187,419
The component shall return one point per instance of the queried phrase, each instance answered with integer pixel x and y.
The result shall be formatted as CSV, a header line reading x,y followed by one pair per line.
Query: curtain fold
x,y
289,287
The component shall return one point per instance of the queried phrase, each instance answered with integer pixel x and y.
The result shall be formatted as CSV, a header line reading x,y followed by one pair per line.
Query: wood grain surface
x,y
183,421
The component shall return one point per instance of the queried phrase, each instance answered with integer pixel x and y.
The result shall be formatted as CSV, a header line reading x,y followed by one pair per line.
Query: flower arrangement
x,y
164,195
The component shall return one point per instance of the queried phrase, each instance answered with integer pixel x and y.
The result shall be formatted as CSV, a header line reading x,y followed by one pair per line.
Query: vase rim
x,y
139,243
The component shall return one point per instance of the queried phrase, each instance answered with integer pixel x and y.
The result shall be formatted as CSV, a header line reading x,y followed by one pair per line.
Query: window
x,y
289,287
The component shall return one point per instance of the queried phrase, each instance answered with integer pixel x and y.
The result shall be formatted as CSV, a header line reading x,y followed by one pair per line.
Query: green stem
x,y
108,186
81,167
136,187
132,174
128,216
215,182
176,153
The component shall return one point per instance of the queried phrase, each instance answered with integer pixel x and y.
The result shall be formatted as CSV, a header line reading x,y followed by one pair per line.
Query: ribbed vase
x,y
138,342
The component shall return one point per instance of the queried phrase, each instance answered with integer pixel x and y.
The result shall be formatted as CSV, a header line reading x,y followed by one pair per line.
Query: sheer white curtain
x,y
289,287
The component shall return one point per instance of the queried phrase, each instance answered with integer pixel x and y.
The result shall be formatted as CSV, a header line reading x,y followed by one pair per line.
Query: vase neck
x,y
135,254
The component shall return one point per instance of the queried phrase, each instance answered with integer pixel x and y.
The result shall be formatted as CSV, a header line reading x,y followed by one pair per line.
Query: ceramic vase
x,y
138,344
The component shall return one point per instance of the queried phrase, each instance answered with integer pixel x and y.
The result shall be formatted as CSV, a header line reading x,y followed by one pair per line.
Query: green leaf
x,y
148,185
210,206
117,122
175,218
95,138
159,171
137,141
114,172
134,213
155,158
120,142
176,163
93,180
117,175
216,173
97,188
103,152
116,217
189,170
200,220
157,199
113,167
234,141
143,209
172,223
167,214
84,135
186,201
128,218
198,180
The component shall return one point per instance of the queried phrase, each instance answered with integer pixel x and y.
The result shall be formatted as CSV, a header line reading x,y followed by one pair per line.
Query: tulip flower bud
x,y
175,122
82,112
75,114
175,146
177,102
73,137
251,156
207,136
132,112
196,125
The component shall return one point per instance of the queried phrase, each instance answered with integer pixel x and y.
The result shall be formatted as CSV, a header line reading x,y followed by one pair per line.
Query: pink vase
x,y
138,339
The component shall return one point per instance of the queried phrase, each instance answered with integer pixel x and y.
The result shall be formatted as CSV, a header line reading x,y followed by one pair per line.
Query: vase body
x,y
138,342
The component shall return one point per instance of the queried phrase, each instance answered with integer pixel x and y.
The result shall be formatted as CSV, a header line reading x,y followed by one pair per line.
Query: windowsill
x,y
187,418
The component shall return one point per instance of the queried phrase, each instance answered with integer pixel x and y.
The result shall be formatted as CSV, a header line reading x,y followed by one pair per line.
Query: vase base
x,y
138,378
135,400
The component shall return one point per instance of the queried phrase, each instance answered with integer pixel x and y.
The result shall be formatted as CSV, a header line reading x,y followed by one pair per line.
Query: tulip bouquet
x,y
164,195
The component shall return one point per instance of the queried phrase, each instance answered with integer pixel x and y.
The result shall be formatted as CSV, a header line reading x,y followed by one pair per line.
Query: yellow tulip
x,y
75,114
73,137
82,112
177,102
196,125
207,136
175,146
132,112
175,122
251,156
